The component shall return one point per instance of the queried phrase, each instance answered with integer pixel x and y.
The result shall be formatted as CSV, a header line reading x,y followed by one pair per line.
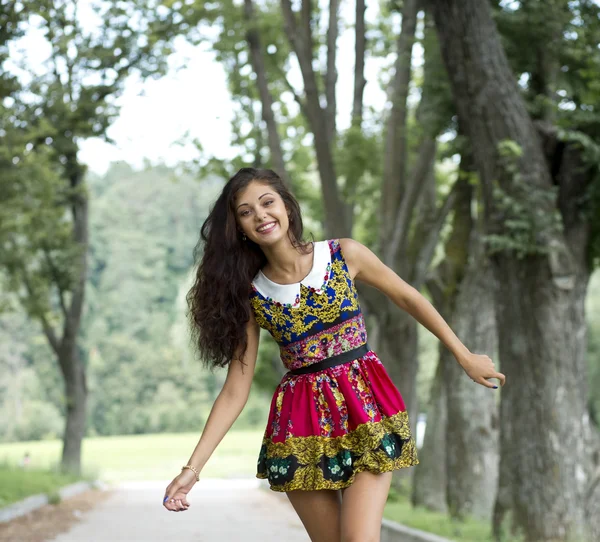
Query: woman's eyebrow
x,y
258,198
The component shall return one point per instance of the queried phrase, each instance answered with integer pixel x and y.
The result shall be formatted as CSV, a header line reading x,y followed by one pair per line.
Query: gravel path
x,y
220,511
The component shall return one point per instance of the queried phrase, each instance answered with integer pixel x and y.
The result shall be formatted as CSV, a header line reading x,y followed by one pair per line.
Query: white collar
x,y
287,293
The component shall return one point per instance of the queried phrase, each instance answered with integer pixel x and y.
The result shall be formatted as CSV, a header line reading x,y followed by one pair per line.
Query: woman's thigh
x,y
319,512
362,507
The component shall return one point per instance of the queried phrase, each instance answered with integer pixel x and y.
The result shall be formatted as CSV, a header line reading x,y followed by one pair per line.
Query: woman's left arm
x,y
365,266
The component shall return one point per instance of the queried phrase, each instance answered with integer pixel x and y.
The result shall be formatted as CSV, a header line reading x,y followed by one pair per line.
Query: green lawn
x,y
145,457
16,484
419,518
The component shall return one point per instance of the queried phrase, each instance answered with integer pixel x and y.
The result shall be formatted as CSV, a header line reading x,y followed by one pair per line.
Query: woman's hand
x,y
175,498
480,367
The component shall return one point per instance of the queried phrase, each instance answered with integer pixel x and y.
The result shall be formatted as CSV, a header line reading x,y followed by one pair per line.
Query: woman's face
x,y
261,213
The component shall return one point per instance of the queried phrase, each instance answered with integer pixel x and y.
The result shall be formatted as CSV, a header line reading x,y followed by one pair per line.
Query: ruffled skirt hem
x,y
317,462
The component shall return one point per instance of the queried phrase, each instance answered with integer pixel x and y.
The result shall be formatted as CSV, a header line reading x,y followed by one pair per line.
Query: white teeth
x,y
267,227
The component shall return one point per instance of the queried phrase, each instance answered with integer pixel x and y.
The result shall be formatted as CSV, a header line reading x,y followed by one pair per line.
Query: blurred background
x,y
459,141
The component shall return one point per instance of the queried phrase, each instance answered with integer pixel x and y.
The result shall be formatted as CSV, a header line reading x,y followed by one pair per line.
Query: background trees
x,y
466,154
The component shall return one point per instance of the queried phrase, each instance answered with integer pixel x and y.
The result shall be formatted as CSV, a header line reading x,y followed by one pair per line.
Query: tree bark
x,y
457,456
74,376
394,168
266,99
472,431
300,37
398,330
360,46
540,295
331,73
429,481
66,349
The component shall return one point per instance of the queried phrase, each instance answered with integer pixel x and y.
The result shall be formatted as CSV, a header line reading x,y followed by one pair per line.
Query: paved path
x,y
220,511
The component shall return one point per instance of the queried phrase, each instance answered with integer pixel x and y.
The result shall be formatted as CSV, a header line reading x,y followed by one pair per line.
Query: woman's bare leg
x,y
362,507
319,512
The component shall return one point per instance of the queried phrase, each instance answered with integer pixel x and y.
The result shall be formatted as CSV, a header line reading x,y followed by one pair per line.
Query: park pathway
x,y
220,511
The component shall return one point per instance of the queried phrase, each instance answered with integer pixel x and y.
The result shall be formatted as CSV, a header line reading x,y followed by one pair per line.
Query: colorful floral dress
x,y
326,426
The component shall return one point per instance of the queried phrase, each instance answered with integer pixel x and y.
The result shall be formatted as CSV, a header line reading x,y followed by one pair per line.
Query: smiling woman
x,y
254,215
337,425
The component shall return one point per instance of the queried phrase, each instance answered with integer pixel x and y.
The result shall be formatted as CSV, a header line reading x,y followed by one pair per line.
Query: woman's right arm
x,y
231,399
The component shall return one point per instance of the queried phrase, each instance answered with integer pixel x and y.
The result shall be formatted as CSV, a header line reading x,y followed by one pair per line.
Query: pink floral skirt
x,y
325,427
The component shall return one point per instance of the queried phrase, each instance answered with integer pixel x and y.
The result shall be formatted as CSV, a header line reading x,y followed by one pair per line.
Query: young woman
x,y
337,425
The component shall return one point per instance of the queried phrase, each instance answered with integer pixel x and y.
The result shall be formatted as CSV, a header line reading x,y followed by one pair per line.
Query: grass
x,y
400,509
16,483
144,457
471,530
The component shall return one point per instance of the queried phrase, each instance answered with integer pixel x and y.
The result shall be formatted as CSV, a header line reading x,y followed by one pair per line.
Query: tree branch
x,y
360,46
395,143
414,188
331,74
48,329
55,276
427,248
266,99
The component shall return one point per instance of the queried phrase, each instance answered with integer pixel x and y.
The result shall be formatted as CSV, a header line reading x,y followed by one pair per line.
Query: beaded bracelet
x,y
192,468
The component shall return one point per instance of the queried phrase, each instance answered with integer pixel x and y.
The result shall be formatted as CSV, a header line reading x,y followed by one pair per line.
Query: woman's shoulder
x,y
350,247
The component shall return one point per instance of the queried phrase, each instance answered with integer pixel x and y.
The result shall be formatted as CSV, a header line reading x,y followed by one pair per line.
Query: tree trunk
x,y
398,351
70,362
472,431
300,37
76,401
266,99
331,74
429,481
540,296
394,177
360,46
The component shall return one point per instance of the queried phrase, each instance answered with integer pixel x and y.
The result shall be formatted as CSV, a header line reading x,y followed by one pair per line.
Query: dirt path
x,y
220,511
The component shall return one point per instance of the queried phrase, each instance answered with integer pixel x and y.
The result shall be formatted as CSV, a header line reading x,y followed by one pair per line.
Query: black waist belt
x,y
344,357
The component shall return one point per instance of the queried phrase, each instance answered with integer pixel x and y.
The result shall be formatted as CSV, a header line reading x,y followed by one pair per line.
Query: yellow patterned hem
x,y
313,463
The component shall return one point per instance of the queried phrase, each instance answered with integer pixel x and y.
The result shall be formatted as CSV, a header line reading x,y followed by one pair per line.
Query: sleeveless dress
x,y
326,426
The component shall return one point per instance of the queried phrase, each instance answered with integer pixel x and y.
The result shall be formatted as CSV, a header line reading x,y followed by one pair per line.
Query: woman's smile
x,y
263,229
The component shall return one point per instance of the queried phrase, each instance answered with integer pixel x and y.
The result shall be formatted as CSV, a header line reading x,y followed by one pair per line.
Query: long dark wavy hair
x,y
219,306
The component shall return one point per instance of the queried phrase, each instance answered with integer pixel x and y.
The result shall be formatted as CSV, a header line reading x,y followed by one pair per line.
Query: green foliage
x,y
144,226
559,68
42,124
528,212
142,375
36,247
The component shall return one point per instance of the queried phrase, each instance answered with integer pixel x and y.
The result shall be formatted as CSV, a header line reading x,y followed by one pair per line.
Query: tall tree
x,y
540,241
73,100
409,232
348,163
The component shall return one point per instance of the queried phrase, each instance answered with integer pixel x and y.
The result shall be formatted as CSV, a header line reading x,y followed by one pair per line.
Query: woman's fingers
x,y
485,382
175,504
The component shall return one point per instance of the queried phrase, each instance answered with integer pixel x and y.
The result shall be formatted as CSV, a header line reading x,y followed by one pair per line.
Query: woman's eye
x,y
244,213
268,202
